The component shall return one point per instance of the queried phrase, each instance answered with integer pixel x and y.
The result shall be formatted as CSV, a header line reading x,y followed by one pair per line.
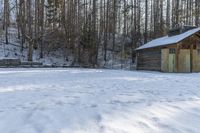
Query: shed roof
x,y
168,40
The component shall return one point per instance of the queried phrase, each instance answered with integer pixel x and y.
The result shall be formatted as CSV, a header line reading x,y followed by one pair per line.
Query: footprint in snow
x,y
149,104
142,124
93,106
180,95
45,95
60,103
13,108
24,108
155,119
102,129
32,103
176,107
98,118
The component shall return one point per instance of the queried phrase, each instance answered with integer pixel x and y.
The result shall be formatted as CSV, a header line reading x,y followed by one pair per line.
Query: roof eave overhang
x,y
156,46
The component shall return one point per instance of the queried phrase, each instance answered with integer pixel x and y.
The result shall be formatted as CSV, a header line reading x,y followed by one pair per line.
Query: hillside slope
x,y
57,57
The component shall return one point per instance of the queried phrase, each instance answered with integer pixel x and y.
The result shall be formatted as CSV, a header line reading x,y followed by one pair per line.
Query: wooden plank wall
x,y
149,59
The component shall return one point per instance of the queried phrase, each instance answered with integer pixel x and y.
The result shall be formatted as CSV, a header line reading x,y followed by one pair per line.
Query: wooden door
x,y
184,61
165,60
196,61
171,62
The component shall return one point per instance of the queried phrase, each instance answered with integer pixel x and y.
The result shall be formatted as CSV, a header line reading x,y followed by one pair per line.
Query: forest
x,y
93,31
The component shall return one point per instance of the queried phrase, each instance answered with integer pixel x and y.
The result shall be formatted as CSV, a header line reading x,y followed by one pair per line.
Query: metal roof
x,y
168,40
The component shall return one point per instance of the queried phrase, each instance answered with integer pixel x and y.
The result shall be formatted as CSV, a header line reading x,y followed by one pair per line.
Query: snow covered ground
x,y
98,101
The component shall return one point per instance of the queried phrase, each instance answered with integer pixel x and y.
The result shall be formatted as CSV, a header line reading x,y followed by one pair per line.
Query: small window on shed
x,y
172,51
198,46
195,46
198,51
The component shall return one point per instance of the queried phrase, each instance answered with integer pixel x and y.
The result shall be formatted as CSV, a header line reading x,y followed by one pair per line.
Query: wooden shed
x,y
179,51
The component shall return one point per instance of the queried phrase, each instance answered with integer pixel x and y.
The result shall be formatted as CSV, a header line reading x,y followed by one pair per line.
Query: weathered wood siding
x,y
149,59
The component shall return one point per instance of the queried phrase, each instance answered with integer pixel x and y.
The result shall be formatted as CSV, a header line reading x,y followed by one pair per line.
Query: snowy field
x,y
98,101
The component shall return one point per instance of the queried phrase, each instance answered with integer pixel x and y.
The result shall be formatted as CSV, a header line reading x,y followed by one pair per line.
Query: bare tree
x,y
6,20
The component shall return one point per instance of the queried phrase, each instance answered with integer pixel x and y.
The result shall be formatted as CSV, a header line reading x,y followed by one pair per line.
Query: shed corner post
x,y
177,57
191,57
